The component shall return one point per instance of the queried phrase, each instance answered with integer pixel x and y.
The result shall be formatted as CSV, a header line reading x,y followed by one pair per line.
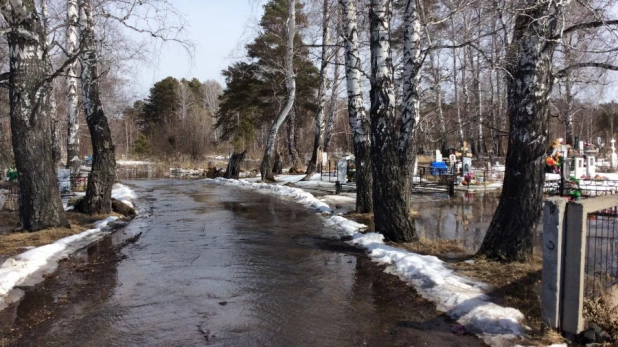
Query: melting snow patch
x,y
30,267
299,195
461,298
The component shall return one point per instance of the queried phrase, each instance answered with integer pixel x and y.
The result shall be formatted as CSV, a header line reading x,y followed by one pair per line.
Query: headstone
x,y
438,155
580,171
415,167
467,166
566,168
591,167
64,181
452,161
581,147
324,159
342,170
599,141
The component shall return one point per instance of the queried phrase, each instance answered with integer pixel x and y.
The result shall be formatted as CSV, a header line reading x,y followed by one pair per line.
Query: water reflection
x,y
464,217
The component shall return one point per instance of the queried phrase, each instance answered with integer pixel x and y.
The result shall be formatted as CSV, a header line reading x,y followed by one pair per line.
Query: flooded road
x,y
222,266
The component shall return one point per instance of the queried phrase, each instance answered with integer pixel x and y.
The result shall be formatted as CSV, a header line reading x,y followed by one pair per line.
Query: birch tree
x,y
389,152
98,199
266,166
539,28
73,162
359,123
40,205
318,142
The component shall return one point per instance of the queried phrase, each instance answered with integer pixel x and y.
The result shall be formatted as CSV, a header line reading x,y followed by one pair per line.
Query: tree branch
x,y
605,66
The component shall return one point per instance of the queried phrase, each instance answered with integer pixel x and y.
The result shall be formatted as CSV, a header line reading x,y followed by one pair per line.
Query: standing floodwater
x,y
223,266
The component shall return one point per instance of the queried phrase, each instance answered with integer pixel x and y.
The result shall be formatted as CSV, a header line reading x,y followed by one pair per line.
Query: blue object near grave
x,y
438,168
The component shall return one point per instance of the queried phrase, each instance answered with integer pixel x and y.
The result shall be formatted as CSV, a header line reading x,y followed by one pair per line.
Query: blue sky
x,y
217,28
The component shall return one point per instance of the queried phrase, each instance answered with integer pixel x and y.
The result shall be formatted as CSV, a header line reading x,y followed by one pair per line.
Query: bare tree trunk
x,y
510,234
73,161
98,199
435,71
40,206
390,158
295,161
233,166
460,133
356,110
570,136
334,96
49,100
290,80
318,142
479,106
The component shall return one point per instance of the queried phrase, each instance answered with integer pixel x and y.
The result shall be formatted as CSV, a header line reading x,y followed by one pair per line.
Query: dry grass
x,y
515,285
438,248
603,314
9,219
425,159
15,242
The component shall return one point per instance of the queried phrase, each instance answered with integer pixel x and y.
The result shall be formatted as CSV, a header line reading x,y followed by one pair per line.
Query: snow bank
x,y
123,193
298,195
461,298
131,162
28,268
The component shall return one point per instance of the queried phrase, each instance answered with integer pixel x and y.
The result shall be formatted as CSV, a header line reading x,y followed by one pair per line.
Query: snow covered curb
x,y
461,298
298,195
28,268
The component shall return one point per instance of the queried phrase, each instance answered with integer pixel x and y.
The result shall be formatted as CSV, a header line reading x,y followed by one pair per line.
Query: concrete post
x,y
574,268
553,232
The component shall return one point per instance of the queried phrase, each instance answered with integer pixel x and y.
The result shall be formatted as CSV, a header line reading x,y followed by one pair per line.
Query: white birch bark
x,y
332,110
390,152
290,80
49,98
359,122
40,206
318,142
411,79
460,133
73,162
103,174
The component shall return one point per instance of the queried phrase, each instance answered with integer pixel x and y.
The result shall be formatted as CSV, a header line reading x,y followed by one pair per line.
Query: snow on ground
x,y
120,192
28,268
131,162
298,195
461,298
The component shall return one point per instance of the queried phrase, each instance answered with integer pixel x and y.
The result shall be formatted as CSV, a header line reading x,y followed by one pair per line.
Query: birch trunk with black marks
x,y
332,108
510,234
290,81
479,107
49,100
390,153
73,161
295,162
318,142
334,96
356,109
568,119
40,206
460,132
98,199
435,69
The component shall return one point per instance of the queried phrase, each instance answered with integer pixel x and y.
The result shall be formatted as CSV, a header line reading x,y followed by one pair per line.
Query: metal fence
x,y
601,252
580,188
10,192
